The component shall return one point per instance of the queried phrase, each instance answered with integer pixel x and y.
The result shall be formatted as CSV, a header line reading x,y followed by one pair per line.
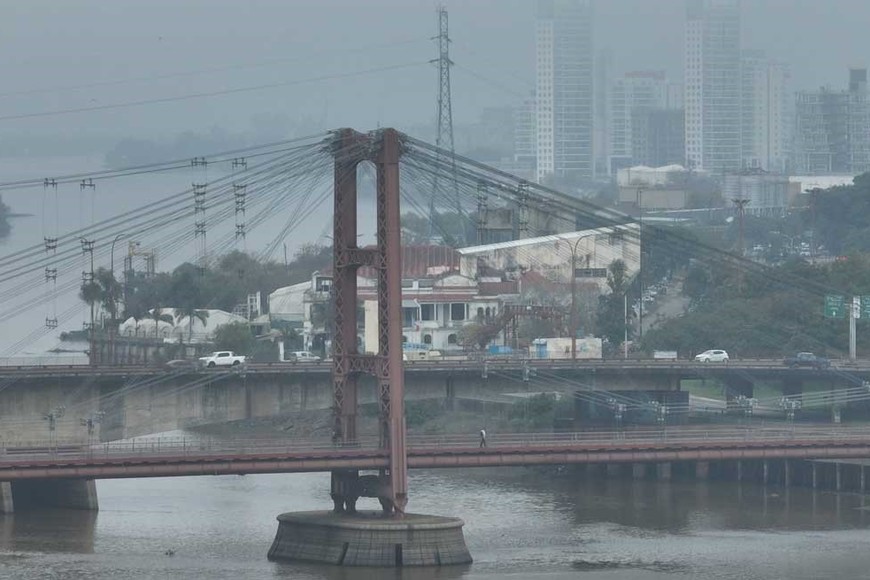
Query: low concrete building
x,y
653,188
768,193
434,310
594,250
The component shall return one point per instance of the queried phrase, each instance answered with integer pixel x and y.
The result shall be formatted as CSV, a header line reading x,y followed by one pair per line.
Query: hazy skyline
x,y
60,44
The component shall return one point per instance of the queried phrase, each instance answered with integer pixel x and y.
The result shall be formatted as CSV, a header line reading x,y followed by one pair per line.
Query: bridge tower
x,y
349,150
400,539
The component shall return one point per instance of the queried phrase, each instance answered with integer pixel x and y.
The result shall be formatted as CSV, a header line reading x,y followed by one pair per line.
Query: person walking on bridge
x,y
483,438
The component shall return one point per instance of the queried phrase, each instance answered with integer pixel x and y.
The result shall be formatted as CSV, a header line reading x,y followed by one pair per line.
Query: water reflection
x,y
65,531
530,524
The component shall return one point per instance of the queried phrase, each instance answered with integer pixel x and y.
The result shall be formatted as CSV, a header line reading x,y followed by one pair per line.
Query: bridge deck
x,y
180,457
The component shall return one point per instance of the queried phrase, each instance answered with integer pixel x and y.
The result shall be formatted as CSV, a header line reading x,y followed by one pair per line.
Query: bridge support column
x,y
77,494
765,472
702,470
838,476
638,470
786,473
739,470
6,504
815,470
663,471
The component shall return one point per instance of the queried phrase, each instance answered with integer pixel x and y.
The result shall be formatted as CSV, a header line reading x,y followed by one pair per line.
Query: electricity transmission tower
x,y
740,204
444,119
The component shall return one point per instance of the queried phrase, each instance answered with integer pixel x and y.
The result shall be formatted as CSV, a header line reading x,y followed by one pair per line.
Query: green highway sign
x,y
835,306
865,307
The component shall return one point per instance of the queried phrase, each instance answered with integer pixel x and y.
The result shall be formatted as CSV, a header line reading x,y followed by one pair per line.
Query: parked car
x,y
303,356
712,356
807,359
222,358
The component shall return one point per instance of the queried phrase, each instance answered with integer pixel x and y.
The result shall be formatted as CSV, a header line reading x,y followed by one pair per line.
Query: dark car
x,y
807,359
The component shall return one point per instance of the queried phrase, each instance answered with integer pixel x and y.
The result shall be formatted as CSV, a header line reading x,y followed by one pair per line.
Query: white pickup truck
x,y
221,358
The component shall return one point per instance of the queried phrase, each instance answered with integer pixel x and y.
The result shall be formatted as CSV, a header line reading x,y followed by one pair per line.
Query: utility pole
x,y
444,117
640,262
741,204
87,279
854,314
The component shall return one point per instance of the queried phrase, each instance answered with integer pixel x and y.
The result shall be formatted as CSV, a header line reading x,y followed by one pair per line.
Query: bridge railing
x,y
189,447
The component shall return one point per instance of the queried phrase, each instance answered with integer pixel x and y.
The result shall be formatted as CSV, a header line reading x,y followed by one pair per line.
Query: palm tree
x,y
191,312
158,316
102,290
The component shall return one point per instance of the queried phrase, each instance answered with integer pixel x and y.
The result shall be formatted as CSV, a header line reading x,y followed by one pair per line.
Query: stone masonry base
x,y
370,539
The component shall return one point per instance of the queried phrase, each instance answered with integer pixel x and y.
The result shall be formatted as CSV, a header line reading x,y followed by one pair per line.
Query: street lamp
x,y
112,263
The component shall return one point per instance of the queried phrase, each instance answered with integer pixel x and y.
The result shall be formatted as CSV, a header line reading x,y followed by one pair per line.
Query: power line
x,y
191,96
204,71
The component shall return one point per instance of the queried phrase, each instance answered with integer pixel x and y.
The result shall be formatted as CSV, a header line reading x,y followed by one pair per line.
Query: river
x,y
519,524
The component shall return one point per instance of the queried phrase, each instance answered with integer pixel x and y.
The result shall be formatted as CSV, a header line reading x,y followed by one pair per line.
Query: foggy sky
x,y
58,43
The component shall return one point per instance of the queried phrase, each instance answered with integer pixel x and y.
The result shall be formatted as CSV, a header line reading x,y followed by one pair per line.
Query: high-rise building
x,y
832,132
658,137
603,114
713,85
766,116
525,139
564,94
636,91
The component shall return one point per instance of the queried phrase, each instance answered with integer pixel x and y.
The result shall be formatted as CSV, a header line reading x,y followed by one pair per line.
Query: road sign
x,y
835,306
865,306
856,307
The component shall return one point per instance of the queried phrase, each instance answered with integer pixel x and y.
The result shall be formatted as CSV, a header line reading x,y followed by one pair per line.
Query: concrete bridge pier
x,y
736,386
30,494
6,504
663,471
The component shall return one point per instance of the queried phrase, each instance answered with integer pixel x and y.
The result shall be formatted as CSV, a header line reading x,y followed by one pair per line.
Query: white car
x,y
712,356
222,358
303,356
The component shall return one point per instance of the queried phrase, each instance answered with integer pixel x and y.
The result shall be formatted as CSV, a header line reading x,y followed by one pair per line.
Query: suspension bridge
x,y
279,188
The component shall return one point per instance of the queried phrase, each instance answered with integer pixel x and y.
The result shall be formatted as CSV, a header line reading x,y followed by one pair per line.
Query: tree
x,y
103,291
190,313
235,336
612,323
478,334
158,316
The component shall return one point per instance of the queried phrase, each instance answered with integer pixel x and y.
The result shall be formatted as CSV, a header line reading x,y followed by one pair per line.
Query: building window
x,y
480,314
427,339
457,311
427,312
451,339
404,339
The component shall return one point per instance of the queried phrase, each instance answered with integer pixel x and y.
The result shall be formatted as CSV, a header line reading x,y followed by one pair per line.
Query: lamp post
x,y
574,293
112,263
